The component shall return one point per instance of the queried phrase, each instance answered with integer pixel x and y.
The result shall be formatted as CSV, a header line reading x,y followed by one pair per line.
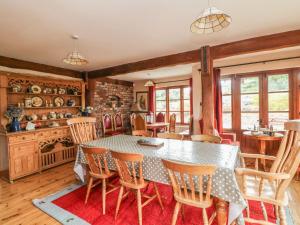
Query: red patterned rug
x,y
73,202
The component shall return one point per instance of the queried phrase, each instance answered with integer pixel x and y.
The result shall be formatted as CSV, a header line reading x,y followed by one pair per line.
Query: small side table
x,y
155,126
262,139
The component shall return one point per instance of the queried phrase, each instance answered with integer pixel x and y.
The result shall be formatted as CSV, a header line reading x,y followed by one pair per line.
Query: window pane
x,y
161,106
160,94
278,82
249,85
248,120
186,117
250,102
178,116
278,101
187,93
226,86
174,105
226,103
227,120
174,93
187,105
277,120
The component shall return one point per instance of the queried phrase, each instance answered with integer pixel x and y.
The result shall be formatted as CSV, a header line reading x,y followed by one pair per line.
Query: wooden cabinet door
x,y
24,159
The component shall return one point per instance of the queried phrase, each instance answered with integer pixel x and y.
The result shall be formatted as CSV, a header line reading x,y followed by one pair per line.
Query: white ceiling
x,y
179,70
115,32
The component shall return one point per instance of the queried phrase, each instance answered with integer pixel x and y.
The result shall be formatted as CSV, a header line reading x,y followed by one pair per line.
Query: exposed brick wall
x,y
110,96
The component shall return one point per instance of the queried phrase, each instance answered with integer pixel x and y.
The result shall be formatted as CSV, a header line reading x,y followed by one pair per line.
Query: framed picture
x,y
142,100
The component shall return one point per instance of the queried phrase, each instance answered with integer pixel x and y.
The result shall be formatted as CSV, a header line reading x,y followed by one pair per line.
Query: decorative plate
x,y
35,89
58,101
16,88
37,101
71,102
47,90
61,91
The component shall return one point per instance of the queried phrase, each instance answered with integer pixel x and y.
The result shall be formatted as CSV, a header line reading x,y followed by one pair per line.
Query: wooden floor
x,y
15,199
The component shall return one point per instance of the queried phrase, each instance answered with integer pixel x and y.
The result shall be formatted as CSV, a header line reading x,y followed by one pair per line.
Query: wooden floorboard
x,y
16,207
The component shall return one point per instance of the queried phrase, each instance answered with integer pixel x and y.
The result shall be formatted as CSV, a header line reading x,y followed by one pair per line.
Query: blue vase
x,y
15,125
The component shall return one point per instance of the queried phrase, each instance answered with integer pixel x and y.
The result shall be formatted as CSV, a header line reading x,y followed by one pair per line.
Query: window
x,y
262,98
278,100
226,102
174,100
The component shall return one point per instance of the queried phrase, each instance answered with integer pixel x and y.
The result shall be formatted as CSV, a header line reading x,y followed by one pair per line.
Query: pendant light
x,y
75,58
211,20
149,83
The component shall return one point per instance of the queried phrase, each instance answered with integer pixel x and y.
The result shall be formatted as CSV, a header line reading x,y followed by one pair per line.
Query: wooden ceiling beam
x,y
256,44
149,64
21,64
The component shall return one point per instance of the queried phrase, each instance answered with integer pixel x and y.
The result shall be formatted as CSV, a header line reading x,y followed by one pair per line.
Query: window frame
x,y
181,111
263,96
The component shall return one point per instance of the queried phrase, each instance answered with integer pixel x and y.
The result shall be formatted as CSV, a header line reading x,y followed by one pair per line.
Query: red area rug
x,y
152,213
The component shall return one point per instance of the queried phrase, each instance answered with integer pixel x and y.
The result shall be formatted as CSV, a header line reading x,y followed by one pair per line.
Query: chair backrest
x,y
206,138
132,121
170,136
129,166
107,123
82,129
191,125
118,121
142,133
160,117
139,123
97,161
289,153
172,123
193,176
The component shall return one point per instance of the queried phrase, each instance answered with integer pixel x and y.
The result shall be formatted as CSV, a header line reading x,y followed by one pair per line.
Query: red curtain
x,y
151,99
191,96
218,100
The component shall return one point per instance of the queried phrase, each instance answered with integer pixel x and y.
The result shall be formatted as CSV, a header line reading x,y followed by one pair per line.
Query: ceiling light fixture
x,y
149,83
75,58
211,20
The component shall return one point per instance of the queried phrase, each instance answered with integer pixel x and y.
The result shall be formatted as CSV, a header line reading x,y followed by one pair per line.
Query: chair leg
x,y
119,200
139,203
103,195
89,187
158,196
175,214
205,218
282,216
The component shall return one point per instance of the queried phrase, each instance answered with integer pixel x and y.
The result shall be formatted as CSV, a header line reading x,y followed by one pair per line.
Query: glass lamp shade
x,y
149,83
211,20
135,108
75,58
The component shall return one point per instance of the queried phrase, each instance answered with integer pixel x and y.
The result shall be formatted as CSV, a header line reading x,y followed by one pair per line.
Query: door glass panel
x,y
226,86
249,85
278,101
161,106
226,103
250,102
278,82
174,105
160,94
186,105
227,120
248,120
174,93
186,93
186,117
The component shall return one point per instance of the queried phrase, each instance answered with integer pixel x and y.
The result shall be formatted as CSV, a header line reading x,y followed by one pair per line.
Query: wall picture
x,y
142,101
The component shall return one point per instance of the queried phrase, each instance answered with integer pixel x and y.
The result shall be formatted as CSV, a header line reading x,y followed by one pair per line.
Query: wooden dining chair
x,y
140,123
130,170
187,181
270,187
83,129
132,121
142,133
160,117
170,136
99,172
206,138
172,123
118,122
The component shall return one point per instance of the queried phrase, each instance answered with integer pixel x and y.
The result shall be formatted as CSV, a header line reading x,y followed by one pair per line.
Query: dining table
x,y
229,201
157,126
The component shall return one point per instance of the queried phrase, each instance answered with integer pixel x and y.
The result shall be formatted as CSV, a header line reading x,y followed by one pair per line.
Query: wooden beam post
x,y
207,90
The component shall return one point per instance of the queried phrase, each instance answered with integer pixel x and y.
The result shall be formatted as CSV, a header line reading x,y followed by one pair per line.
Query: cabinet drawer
x,y
43,134
60,132
21,138
25,148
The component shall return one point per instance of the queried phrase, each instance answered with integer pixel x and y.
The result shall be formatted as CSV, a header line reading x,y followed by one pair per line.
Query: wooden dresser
x,y
26,152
